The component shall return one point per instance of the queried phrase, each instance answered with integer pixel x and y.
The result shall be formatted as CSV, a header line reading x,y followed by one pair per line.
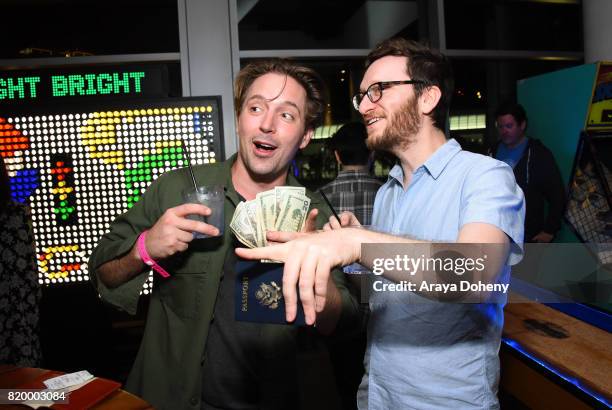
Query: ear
x,y
306,138
429,99
523,126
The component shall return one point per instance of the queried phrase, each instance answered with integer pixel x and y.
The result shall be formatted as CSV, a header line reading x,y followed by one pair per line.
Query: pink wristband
x,y
142,251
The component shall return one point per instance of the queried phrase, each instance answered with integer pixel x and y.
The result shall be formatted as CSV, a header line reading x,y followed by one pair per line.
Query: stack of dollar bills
x,y
283,208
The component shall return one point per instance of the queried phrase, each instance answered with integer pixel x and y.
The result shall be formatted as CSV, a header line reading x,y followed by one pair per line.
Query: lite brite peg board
x,y
79,169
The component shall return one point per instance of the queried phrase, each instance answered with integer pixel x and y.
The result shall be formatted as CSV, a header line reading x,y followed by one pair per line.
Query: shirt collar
x,y
435,164
440,159
352,173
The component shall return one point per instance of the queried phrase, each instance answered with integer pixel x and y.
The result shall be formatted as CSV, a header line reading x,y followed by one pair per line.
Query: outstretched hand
x,y
308,261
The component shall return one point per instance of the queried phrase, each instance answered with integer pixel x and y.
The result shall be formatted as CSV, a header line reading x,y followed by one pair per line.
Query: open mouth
x,y
264,146
372,120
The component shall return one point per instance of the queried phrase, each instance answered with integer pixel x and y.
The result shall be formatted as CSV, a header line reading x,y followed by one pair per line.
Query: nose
x,y
365,105
268,124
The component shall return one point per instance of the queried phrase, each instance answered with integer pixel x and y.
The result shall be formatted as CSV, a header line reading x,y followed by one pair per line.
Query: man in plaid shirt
x,y
354,189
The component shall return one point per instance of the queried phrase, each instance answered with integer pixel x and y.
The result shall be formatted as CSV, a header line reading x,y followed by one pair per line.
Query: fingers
x,y
173,231
190,225
310,225
186,209
321,283
165,240
346,219
349,219
277,253
307,268
179,217
281,237
291,273
306,283
183,236
332,224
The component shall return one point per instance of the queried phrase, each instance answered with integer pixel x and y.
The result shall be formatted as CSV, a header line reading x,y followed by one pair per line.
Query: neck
x,y
362,168
427,141
517,143
248,185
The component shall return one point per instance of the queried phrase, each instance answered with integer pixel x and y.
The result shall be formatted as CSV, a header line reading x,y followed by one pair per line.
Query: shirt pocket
x,y
184,292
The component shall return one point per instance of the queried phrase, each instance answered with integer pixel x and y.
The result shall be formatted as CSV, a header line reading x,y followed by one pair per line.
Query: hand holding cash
x,y
282,209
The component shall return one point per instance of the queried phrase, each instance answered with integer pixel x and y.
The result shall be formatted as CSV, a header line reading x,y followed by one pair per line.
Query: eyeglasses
x,y
375,91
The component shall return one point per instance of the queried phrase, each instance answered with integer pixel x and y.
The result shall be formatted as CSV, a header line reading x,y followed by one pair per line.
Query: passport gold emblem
x,y
269,295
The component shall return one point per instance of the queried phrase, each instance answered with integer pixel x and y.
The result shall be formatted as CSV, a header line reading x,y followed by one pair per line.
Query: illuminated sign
x,y
80,168
92,84
43,86
11,88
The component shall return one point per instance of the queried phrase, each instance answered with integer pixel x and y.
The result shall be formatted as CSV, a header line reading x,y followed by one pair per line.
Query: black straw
x,y
330,206
186,154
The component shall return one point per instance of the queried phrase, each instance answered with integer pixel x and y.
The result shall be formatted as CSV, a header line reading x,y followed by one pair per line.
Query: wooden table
x,y
575,348
12,377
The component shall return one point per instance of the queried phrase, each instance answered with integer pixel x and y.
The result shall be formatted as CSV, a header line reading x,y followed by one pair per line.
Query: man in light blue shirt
x,y
423,352
427,354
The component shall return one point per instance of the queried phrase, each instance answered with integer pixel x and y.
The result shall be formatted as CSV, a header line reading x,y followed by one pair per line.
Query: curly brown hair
x,y
306,77
425,64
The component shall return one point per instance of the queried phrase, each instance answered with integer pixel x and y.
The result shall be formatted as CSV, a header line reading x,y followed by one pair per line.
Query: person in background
x,y
535,171
20,291
354,189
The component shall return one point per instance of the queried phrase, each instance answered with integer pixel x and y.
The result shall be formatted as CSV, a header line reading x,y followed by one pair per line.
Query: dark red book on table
x,y
84,397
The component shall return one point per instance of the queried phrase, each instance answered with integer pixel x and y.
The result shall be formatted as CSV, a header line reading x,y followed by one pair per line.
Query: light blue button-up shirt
x,y
424,354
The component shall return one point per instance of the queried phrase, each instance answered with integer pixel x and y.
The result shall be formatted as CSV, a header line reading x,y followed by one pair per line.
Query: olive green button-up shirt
x,y
167,370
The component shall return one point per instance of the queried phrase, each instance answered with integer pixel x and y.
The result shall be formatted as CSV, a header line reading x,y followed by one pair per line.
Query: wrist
x,y
354,237
145,258
136,252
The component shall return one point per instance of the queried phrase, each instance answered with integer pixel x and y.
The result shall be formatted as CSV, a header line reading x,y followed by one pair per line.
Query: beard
x,y
401,132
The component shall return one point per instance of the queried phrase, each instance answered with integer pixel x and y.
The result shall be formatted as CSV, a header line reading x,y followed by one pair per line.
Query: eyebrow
x,y
362,91
382,81
284,102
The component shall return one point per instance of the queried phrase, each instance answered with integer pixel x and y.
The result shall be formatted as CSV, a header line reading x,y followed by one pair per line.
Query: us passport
x,y
259,294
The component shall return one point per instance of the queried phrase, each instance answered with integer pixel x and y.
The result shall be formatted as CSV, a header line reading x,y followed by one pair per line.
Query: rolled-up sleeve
x,y
119,241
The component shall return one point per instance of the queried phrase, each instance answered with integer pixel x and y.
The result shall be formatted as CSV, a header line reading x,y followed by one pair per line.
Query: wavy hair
x,y
306,77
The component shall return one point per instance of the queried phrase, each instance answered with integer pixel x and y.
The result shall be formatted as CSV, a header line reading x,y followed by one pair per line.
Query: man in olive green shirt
x,y
278,104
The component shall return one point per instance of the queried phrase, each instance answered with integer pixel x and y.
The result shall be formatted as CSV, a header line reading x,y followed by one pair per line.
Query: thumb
x,y
310,225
